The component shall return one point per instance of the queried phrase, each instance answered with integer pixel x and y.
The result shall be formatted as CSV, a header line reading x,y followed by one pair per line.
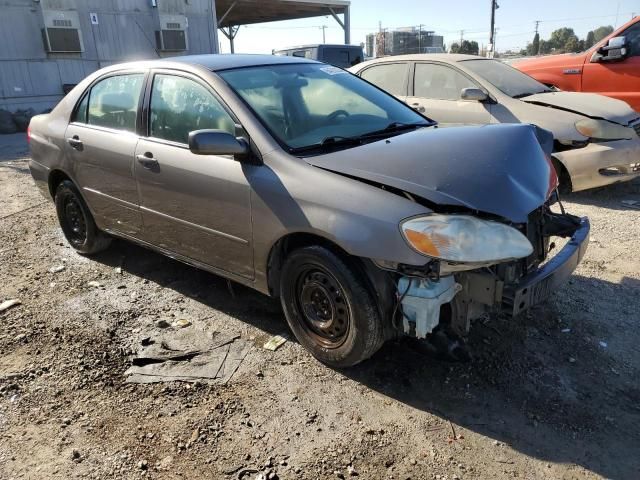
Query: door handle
x,y
418,107
75,142
147,161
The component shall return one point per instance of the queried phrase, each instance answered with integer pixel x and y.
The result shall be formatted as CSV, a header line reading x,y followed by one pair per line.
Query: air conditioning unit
x,y
61,32
172,36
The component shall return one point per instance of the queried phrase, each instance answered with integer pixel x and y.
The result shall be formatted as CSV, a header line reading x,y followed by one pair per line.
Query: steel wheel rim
x,y
326,316
75,220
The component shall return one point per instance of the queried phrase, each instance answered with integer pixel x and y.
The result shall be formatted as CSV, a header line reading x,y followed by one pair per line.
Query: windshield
x,y
507,79
303,105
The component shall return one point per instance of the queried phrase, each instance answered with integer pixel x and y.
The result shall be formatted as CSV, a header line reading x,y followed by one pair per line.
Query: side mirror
x,y
473,94
615,50
216,142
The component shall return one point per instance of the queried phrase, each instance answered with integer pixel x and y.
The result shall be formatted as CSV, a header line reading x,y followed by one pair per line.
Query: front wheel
x,y
329,307
76,221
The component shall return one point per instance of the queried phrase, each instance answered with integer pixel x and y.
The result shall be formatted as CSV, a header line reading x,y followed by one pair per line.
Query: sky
x,y
514,22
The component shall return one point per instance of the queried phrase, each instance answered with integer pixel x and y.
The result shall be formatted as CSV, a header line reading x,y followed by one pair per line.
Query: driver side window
x,y
632,35
180,105
439,82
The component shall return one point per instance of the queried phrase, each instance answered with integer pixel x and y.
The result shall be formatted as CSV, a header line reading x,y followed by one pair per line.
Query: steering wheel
x,y
337,113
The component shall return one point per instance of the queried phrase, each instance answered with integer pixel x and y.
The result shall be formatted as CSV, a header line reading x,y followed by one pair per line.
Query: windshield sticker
x,y
333,70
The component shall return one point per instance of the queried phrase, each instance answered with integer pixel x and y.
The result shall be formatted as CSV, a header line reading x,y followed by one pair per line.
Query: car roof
x,y
416,57
216,62
313,45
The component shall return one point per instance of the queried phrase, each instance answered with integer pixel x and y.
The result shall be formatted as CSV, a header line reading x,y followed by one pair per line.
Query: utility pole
x,y
461,35
491,50
537,23
420,39
323,27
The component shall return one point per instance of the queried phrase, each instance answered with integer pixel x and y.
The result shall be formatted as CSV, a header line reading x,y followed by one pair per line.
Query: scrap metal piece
x,y
171,356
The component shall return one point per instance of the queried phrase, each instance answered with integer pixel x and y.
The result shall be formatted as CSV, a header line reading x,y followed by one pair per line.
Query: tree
x,y
601,32
590,41
536,44
572,45
455,48
545,47
560,37
469,47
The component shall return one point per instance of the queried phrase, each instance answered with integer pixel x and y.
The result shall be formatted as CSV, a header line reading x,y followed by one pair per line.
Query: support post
x,y
347,26
230,32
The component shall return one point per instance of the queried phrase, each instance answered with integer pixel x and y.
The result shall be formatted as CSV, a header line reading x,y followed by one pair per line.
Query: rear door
x,y
391,77
435,90
195,205
101,141
619,79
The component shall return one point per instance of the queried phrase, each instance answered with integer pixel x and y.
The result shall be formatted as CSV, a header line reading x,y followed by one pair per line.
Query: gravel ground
x,y
555,394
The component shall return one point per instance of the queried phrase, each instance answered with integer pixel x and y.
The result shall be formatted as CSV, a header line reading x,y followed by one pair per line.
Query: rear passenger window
x,y
180,105
391,77
113,102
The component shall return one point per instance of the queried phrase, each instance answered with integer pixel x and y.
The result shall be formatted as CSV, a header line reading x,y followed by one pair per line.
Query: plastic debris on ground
x,y
182,323
275,342
7,304
57,269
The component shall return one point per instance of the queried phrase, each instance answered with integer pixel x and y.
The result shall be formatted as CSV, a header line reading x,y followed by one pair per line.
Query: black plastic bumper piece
x,y
539,285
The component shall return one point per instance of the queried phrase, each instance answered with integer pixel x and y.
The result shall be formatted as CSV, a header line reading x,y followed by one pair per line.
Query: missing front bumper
x,y
537,286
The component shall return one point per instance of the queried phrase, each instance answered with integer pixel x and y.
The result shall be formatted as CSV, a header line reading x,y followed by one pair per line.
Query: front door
x,y
195,205
619,79
101,141
436,93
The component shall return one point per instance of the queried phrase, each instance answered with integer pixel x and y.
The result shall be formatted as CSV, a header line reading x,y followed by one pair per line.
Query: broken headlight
x,y
465,239
604,130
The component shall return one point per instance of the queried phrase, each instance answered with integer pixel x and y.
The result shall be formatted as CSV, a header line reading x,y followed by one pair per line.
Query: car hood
x,y
497,169
588,104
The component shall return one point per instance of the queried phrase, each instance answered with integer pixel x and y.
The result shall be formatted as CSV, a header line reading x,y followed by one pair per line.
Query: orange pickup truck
x,y
611,67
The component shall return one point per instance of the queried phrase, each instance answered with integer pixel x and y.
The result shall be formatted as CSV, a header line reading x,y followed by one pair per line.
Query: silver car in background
x,y
309,184
597,138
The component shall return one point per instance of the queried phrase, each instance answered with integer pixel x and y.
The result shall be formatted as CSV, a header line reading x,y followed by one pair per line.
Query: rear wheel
x,y
329,307
76,221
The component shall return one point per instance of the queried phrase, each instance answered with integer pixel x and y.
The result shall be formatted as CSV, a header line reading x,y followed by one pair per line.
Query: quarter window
x,y
113,102
390,77
439,82
180,105
81,112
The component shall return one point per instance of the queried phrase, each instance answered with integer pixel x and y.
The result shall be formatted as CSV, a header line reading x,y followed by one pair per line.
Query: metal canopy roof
x,y
244,12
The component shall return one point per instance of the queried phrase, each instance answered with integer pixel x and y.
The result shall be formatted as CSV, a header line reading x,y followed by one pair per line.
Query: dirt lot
x,y
553,395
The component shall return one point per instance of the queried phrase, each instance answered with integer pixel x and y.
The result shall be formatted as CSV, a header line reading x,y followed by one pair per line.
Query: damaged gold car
x,y
309,184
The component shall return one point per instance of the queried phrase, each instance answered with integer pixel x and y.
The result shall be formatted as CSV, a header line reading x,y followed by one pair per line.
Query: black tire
x,y
329,307
76,221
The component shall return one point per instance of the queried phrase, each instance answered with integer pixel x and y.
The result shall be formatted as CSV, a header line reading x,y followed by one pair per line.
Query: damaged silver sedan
x,y
306,183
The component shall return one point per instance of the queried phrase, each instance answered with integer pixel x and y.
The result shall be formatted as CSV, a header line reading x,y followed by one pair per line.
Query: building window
x,y
62,40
